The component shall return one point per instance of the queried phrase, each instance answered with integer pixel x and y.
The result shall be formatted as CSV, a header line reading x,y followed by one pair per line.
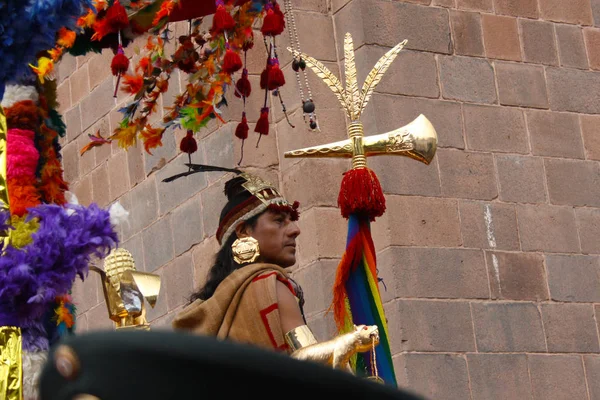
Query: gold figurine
x,y
125,289
337,352
417,140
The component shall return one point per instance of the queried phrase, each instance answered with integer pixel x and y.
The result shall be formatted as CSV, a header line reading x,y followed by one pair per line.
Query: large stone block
x,y
547,228
572,182
499,376
435,376
488,225
178,280
570,328
574,278
588,223
499,129
476,5
467,174
508,327
187,225
517,276
466,32
571,47
501,37
432,273
425,28
416,325
555,134
158,244
467,79
422,221
521,85
592,372
539,45
517,8
521,178
557,377
573,90
573,12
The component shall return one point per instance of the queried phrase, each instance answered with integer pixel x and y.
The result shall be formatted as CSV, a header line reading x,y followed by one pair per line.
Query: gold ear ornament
x,y
245,250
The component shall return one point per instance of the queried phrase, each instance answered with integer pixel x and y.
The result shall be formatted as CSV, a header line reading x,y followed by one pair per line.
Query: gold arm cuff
x,y
11,368
300,337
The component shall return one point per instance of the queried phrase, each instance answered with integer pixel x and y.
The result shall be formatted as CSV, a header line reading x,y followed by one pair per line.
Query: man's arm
x,y
289,310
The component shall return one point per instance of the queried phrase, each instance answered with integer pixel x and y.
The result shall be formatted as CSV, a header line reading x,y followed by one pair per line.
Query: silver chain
x,y
295,44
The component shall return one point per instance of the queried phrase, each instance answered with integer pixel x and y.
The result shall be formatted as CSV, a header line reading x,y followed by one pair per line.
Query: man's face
x,y
276,235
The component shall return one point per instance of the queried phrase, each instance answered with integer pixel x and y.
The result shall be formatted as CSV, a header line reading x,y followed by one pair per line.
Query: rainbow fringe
x,y
357,300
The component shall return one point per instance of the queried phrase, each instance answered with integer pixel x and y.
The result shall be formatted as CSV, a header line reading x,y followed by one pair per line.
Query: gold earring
x,y
245,250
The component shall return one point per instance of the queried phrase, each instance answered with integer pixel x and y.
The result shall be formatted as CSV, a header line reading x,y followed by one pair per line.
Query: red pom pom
x,y
274,22
243,86
361,194
232,62
276,78
222,20
120,62
242,129
188,143
262,125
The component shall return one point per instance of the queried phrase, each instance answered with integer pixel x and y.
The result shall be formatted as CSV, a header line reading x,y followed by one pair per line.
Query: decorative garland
x,y
212,59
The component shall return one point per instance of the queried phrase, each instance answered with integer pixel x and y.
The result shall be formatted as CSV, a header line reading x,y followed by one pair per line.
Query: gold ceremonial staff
x,y
417,140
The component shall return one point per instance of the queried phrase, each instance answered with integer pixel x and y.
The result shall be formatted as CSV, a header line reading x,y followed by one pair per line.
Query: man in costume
x,y
248,296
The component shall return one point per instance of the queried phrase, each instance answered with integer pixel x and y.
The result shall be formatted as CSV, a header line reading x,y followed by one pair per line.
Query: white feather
x,y
32,369
118,214
16,93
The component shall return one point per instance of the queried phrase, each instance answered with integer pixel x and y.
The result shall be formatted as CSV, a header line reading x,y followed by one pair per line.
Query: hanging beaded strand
x,y
277,92
308,105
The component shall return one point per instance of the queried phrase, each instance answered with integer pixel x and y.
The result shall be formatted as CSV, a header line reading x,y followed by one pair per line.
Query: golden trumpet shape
x,y
417,140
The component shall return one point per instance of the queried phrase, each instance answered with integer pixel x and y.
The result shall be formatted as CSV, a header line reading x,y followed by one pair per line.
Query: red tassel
x,y
188,143
275,77
120,62
243,86
262,125
274,21
222,20
361,194
232,62
264,77
242,129
116,17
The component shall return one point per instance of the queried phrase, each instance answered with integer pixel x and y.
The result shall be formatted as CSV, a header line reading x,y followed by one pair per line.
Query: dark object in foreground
x,y
115,365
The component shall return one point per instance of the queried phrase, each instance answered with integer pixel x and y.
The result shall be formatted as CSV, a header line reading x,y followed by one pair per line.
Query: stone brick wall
x,y
490,256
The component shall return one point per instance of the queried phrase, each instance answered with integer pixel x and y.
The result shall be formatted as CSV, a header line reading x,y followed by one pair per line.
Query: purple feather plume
x,y
33,276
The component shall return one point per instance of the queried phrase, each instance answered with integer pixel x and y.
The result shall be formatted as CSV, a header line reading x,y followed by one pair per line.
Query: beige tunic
x,y
244,308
